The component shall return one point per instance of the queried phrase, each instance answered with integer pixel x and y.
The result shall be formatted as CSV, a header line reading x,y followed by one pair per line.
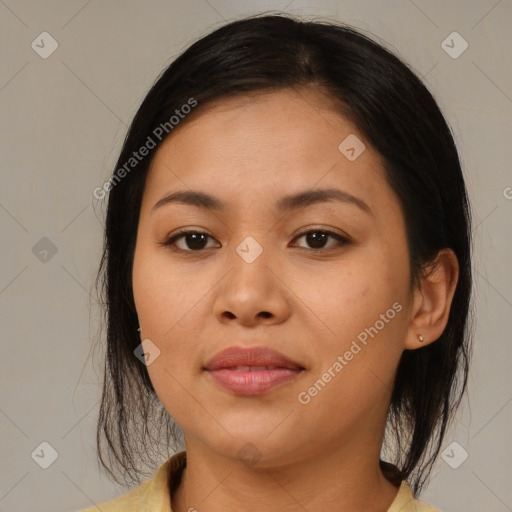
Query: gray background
x,y
63,121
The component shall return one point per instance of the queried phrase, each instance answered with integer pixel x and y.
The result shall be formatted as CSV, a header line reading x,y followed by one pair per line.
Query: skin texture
x,y
308,303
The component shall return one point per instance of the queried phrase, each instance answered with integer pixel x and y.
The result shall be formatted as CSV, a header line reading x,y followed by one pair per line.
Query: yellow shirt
x,y
154,495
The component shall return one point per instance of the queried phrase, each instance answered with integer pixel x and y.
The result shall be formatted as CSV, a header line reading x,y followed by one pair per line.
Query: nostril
x,y
266,314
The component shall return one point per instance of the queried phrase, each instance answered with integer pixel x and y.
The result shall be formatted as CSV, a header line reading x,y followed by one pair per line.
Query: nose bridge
x,y
251,289
250,272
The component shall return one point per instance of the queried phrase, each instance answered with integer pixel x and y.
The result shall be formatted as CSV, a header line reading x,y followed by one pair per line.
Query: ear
x,y
433,300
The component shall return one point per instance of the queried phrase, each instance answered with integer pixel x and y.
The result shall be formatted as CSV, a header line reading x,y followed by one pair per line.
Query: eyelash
x,y
170,242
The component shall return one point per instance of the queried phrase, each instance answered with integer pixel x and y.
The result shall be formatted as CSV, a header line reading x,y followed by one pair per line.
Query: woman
x,y
287,277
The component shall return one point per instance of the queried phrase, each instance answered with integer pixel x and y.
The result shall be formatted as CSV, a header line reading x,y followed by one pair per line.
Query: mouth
x,y
252,371
253,380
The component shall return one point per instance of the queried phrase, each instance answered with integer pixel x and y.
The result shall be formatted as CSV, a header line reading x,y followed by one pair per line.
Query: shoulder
x,y
128,502
406,502
151,496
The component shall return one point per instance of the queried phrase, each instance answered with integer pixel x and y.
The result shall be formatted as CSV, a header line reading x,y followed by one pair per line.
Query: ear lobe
x,y
433,300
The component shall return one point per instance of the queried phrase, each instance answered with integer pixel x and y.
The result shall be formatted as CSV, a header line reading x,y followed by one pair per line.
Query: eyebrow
x,y
286,203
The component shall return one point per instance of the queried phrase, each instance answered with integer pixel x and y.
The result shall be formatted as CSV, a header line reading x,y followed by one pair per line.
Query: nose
x,y
252,293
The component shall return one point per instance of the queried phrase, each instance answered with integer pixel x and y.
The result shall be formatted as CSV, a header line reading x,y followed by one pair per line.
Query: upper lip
x,y
250,356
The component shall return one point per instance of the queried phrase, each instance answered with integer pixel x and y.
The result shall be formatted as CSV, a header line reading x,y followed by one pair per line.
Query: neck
x,y
334,479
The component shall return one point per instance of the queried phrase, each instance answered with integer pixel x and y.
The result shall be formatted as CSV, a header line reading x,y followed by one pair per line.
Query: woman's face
x,y
266,276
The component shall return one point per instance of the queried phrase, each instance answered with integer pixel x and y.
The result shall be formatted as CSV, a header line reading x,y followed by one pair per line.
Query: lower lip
x,y
251,383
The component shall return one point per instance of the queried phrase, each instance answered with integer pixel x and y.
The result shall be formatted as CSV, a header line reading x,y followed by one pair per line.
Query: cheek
x,y
166,303
354,293
170,303
365,313
163,293
363,307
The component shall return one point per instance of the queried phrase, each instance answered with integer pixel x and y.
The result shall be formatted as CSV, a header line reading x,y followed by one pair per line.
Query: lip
x,y
249,382
250,356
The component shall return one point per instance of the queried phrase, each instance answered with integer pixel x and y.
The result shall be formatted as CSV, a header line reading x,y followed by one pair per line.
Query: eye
x,y
196,241
193,239
317,239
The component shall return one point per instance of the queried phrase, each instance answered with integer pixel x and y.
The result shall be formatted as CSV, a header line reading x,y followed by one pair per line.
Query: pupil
x,y
196,242
316,239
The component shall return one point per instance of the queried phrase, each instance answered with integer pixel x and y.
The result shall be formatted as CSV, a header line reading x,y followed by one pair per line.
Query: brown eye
x,y
191,241
317,239
196,241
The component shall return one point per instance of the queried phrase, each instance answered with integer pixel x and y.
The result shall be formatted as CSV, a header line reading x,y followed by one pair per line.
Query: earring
x,y
138,329
421,339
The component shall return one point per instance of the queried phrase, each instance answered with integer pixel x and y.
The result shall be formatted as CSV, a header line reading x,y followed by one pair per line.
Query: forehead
x,y
261,144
